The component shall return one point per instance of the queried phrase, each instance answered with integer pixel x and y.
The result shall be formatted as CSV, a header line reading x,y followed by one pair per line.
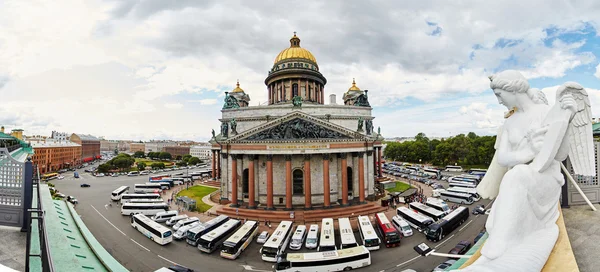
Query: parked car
x,y
478,236
60,195
60,177
85,185
262,237
72,199
444,265
479,210
461,248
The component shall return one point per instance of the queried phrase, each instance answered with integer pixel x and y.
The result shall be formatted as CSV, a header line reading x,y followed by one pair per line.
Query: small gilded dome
x,y
295,52
354,88
237,88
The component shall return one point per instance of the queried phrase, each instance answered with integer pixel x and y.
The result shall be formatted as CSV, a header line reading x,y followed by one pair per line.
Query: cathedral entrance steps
x,y
301,215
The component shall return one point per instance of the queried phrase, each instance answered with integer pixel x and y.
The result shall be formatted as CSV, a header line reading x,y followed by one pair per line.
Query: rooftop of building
x,y
49,144
18,149
87,137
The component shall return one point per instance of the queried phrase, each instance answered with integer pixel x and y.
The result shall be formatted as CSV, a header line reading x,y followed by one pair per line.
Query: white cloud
x,y
173,105
205,101
95,62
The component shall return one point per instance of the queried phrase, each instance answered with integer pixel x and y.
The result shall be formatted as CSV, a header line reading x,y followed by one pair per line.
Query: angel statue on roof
x,y
525,176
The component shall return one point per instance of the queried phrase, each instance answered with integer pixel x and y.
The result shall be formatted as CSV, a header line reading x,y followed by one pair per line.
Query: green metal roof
x,y
72,246
25,147
596,128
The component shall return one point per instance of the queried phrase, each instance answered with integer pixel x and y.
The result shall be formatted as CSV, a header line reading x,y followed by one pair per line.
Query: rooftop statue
x,y
525,173
297,101
230,102
360,124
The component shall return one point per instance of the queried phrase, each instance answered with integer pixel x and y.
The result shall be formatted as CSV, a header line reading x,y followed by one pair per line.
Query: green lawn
x,y
197,193
150,162
400,187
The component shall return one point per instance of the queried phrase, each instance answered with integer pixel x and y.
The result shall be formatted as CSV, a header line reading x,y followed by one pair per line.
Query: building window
x,y
350,178
294,89
298,182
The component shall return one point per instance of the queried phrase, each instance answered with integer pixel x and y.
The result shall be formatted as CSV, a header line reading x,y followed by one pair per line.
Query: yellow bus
x,y
49,176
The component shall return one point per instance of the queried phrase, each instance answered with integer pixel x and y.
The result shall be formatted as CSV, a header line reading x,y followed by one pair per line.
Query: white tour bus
x,y
155,231
327,242
471,191
471,179
181,233
434,173
239,241
462,184
143,208
213,240
367,233
298,237
164,216
185,222
147,188
453,168
438,204
116,194
177,181
128,197
277,242
414,219
338,260
146,200
312,238
134,173
402,226
426,210
461,198
346,233
173,220
193,235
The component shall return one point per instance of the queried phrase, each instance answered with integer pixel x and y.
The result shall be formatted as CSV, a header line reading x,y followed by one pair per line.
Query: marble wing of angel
x,y
569,133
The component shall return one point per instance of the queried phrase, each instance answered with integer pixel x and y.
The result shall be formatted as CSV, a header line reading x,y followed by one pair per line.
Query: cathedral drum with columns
x,y
295,151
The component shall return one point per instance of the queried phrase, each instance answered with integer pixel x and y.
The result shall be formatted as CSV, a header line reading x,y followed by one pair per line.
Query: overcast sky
x,y
157,69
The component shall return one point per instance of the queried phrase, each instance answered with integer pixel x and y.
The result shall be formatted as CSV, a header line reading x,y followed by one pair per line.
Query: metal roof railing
x,y
41,250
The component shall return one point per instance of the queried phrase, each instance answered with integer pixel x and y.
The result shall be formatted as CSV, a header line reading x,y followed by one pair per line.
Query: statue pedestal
x,y
561,258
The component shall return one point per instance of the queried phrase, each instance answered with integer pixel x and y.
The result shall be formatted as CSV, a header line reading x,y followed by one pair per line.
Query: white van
x,y
164,216
312,238
298,237
181,233
173,220
402,226
185,222
133,173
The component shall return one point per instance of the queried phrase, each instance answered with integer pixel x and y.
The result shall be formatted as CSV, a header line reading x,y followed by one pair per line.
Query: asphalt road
x,y
138,253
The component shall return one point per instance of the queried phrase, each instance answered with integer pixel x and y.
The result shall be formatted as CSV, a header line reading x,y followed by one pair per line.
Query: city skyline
x,y
154,70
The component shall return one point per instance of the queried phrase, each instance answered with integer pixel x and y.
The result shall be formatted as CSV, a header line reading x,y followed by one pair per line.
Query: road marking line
x,y
167,260
465,225
108,221
489,204
408,261
139,244
444,241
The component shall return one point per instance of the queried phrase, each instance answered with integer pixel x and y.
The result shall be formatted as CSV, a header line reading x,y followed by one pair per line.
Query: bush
x,y
50,184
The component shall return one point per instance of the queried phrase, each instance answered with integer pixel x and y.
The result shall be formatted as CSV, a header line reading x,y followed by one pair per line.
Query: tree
x,y
157,165
139,154
193,161
153,155
181,163
105,167
141,166
186,157
165,156
179,157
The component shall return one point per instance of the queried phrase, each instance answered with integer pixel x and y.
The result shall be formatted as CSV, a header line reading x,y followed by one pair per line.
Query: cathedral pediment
x,y
297,126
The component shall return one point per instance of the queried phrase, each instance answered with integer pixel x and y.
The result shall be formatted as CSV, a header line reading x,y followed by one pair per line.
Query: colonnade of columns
x,y
288,177
216,164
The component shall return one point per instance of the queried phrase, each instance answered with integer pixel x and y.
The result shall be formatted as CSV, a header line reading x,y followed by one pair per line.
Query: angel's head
x,y
507,86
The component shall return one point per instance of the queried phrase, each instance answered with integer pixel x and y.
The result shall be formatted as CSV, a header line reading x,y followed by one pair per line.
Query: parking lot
x,y
138,253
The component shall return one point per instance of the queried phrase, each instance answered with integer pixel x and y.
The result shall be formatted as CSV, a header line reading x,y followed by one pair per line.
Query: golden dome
x,y
354,88
295,52
237,88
